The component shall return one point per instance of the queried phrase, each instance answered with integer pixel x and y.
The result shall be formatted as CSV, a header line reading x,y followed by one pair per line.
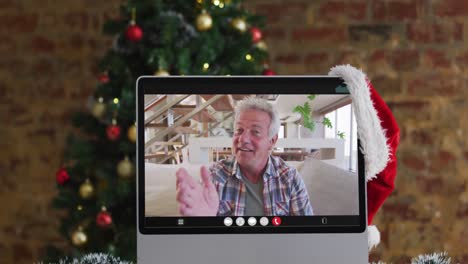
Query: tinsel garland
x,y
94,258
434,258
101,258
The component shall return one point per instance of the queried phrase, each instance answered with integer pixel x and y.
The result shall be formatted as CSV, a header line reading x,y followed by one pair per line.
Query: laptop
x,y
251,169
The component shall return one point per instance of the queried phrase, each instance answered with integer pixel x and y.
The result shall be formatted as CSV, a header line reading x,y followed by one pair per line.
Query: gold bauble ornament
x,y
262,45
79,238
86,189
132,133
239,24
204,21
161,72
98,108
125,168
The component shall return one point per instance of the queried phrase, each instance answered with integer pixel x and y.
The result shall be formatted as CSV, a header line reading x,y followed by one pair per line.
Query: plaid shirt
x,y
284,192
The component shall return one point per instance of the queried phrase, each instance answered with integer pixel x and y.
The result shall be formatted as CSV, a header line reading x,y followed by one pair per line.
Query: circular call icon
x,y
240,221
252,221
276,221
228,221
264,221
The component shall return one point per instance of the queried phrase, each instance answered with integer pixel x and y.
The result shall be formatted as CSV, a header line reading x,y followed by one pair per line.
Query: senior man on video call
x,y
251,181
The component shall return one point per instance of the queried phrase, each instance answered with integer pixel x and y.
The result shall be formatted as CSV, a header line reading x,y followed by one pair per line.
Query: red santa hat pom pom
x,y
373,237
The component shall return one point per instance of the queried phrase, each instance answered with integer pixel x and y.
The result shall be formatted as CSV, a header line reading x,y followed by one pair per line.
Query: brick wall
x,y
415,53
49,51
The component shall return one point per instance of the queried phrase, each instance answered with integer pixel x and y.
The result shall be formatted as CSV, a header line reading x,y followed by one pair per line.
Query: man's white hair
x,y
254,103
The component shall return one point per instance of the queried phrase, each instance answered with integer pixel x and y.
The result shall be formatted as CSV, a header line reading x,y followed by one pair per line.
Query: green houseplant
x,y
306,112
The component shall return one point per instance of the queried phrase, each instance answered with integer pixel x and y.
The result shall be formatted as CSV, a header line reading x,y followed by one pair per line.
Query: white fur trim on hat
x,y
370,132
373,237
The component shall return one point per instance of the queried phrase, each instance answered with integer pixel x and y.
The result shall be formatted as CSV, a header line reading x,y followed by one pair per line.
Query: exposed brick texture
x,y
404,59
342,11
47,71
370,33
280,12
414,51
19,22
442,31
397,10
451,8
436,84
320,34
436,59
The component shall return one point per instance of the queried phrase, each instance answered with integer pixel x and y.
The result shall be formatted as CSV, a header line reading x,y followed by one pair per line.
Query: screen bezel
x,y
241,85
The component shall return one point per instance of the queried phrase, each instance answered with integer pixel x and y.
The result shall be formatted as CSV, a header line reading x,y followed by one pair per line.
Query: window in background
x,y
282,130
344,124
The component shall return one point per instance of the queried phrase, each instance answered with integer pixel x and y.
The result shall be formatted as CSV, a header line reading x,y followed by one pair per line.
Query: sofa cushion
x,y
332,190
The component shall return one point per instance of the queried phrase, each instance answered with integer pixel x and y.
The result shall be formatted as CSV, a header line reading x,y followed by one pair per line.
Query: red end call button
x,y
276,221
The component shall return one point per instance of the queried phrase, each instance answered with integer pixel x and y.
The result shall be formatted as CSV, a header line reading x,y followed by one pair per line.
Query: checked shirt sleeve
x,y
299,203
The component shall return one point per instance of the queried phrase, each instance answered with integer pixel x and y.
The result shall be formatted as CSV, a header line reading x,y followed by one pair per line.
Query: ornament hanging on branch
x,y
134,32
99,108
103,78
103,218
113,131
125,168
262,45
62,176
256,34
79,237
203,21
268,72
132,133
86,190
161,72
239,24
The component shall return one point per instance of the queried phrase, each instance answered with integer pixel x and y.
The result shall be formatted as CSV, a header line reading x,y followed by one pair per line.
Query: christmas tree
x,y
96,182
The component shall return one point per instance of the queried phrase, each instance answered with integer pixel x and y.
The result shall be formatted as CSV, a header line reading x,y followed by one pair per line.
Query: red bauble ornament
x,y
134,33
268,72
256,34
113,132
103,219
62,176
103,78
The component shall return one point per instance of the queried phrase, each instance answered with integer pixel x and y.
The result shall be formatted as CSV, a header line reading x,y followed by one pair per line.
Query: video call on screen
x,y
311,171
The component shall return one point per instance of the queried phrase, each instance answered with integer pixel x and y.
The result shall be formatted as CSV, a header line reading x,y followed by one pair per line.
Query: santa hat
x,y
379,135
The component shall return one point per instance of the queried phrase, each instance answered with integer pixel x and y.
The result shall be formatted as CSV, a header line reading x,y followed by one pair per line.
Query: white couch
x,y
332,191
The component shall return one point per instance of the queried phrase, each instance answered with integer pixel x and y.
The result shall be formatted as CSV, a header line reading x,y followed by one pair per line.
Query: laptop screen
x,y
248,155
